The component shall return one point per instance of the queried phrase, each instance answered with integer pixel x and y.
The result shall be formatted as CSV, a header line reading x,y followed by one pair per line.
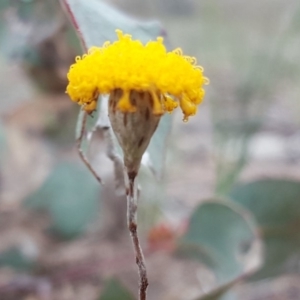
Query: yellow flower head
x,y
128,65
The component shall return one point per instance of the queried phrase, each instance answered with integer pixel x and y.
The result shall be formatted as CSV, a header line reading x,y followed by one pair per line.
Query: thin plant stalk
x,y
131,192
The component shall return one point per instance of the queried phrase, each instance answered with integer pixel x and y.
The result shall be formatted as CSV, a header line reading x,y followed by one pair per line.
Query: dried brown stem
x,y
81,154
131,192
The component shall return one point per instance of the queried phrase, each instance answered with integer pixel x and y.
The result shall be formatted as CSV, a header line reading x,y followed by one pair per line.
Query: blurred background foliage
x,y
219,213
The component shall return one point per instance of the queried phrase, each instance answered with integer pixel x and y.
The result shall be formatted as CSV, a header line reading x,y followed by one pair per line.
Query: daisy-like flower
x,y
143,81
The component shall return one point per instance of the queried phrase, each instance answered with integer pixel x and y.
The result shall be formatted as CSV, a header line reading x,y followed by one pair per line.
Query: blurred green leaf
x,y
37,35
97,22
14,258
71,195
223,236
113,290
25,24
275,203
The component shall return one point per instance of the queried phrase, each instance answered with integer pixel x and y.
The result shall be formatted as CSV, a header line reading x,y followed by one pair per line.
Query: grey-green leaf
x,y
72,197
223,236
14,258
276,205
40,20
97,21
113,290
156,149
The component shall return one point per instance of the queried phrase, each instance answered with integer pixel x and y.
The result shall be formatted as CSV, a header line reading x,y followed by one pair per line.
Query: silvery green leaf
x,y
15,258
24,24
276,207
97,21
224,237
71,196
154,156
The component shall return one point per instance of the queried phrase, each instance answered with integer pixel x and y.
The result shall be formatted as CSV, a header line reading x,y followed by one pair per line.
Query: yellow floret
x,y
127,64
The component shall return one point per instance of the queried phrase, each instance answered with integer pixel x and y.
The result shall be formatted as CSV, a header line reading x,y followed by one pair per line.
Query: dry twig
x,y
131,192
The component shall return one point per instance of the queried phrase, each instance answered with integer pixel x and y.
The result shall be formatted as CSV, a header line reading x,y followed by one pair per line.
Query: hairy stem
x,y
131,192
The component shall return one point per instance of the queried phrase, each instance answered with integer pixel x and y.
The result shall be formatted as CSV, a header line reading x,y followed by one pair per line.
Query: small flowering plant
x,y
143,82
